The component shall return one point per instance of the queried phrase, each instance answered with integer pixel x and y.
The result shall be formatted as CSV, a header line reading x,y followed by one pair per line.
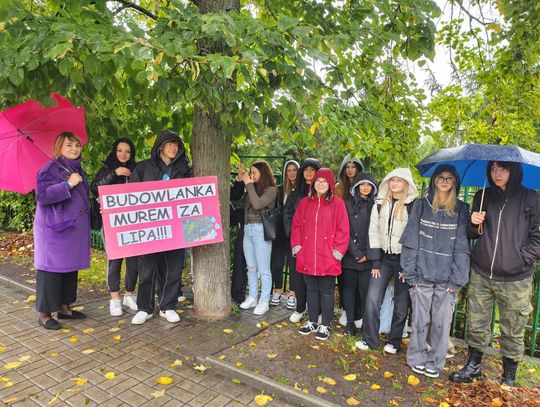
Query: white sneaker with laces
x,y
115,306
261,308
362,345
343,318
250,302
141,317
323,333
291,302
358,323
389,348
296,317
130,301
170,314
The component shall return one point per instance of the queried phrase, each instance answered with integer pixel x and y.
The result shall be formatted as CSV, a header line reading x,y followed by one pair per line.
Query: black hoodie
x,y
509,247
106,174
154,168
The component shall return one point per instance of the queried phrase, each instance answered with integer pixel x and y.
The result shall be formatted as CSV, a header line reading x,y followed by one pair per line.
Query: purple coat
x,y
62,221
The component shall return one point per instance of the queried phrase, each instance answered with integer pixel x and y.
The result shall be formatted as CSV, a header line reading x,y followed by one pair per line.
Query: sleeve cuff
x,y
337,255
295,250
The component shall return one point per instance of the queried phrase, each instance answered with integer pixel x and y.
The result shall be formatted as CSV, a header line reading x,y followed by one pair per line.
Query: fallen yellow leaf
x,y
393,403
10,400
262,399
271,356
351,401
532,370
78,308
388,375
177,362
66,330
329,380
4,379
54,354
110,375
320,389
350,377
3,349
200,368
121,322
297,387
298,357
265,324
311,366
306,391
252,344
430,400
31,298
228,331
12,365
236,381
88,330
239,364
258,325
375,387
24,358
73,339
221,357
413,380
114,329
164,380
88,351
54,398
79,381
315,346
158,394
496,402
8,384
117,337
444,404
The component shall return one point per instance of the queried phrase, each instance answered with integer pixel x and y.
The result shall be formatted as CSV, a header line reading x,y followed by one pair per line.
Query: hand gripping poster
x,y
156,216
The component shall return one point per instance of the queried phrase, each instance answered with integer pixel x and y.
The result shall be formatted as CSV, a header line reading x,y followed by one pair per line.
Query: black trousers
x,y
163,269
280,252
320,297
114,268
54,290
355,289
239,269
298,284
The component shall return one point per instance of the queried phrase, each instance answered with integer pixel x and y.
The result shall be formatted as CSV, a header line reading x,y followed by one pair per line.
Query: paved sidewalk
x,y
39,367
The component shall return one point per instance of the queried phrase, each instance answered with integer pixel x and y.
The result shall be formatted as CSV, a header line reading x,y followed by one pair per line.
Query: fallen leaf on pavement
x,y
177,362
351,401
271,356
200,368
114,329
110,375
328,380
320,389
88,351
228,331
117,337
10,400
375,387
413,380
164,380
79,381
236,381
239,364
252,344
496,402
388,375
78,308
393,403
66,330
298,357
31,298
8,384
12,365
88,330
158,394
350,377
3,349
73,339
54,354
24,358
262,399
221,357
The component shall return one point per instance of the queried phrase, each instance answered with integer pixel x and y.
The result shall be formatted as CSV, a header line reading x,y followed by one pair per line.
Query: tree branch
x,y
142,10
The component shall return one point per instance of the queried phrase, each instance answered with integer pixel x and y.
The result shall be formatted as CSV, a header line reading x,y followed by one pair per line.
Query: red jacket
x,y
320,232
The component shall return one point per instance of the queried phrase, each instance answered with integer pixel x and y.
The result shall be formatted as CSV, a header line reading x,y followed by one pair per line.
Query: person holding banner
x,y
116,170
168,161
261,195
61,231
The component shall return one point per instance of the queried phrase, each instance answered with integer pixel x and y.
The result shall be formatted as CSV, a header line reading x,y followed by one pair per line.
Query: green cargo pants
x,y
514,303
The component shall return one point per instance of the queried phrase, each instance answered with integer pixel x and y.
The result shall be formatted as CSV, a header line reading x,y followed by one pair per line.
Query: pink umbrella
x,y
27,134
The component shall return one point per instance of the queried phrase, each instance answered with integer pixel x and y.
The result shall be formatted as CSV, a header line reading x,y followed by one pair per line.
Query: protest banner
x,y
149,217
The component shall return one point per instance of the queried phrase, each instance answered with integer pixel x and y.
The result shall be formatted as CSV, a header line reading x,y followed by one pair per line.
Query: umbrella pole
x,y
481,225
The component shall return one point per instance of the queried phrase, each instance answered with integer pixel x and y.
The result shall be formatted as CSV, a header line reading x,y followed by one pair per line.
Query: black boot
x,y
509,372
350,329
471,370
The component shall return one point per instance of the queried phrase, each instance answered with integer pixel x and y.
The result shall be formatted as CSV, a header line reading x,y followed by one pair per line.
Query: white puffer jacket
x,y
385,233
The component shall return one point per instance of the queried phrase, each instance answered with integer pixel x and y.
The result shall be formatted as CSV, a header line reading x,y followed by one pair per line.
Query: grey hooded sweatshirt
x,y
435,248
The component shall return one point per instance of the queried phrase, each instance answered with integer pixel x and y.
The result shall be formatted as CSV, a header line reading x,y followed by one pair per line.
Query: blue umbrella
x,y
471,161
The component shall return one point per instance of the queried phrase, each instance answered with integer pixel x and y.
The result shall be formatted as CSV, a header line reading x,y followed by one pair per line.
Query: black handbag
x,y
96,222
272,220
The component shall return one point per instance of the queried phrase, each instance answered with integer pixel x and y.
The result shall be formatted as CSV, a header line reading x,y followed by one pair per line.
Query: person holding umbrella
x,y
61,231
506,221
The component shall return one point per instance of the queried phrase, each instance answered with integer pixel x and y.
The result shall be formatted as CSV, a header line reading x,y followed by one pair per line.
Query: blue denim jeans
x,y
258,252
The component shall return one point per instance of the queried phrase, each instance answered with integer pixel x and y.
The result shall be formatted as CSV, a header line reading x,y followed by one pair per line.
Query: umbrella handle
x,y
481,229
481,225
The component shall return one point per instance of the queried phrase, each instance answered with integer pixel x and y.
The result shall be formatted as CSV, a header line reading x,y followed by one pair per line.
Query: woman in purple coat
x,y
61,231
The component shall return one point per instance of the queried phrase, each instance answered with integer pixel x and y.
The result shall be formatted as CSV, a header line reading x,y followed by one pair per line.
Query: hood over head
x,y
112,161
514,182
440,169
286,165
163,137
327,174
404,173
363,178
348,158
301,186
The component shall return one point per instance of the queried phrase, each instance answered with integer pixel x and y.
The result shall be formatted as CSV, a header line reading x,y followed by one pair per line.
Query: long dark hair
x,y
267,176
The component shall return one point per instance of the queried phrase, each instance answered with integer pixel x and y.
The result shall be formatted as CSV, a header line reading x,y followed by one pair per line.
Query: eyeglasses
x,y
321,181
445,180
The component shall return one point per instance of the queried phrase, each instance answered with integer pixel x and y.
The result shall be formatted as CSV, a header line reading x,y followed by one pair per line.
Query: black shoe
x,y
308,328
51,324
509,372
73,315
322,333
471,370
350,329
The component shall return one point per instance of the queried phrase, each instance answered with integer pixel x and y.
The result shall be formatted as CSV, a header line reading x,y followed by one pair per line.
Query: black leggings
x,y
298,285
320,297
355,289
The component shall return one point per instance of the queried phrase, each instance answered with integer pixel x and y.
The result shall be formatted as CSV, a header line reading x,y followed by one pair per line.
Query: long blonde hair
x,y
400,204
449,204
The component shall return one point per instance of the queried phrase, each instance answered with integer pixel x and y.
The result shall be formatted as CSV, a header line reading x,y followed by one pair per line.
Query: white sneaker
x,y
389,348
343,318
275,300
171,315
358,323
141,317
296,317
291,302
250,302
115,306
261,308
130,301
181,298
362,345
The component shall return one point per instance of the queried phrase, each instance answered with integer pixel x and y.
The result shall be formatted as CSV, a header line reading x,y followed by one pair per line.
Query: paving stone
x,y
94,393
131,398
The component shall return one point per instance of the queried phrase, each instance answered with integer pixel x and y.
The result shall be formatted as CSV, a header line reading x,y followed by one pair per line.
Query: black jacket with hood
x,y
359,212
154,168
106,174
300,190
509,247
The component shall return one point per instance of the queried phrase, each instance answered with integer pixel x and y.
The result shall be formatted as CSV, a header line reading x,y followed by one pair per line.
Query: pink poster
x,y
156,216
